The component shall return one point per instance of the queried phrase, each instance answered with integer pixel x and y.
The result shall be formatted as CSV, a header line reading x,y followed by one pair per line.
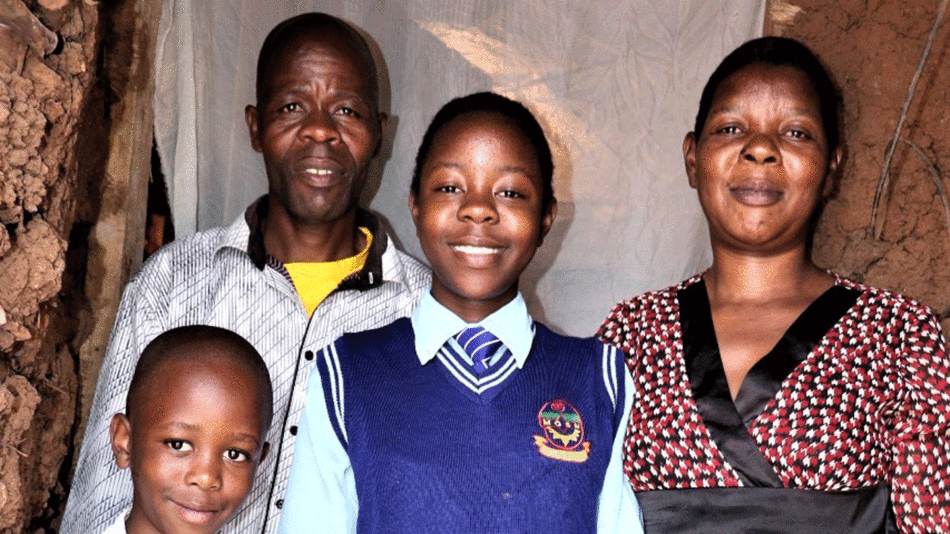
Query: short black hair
x,y
779,52
311,24
190,343
487,102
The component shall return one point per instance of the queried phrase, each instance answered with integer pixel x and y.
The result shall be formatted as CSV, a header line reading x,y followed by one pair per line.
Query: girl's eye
x,y
448,189
178,445
236,455
508,193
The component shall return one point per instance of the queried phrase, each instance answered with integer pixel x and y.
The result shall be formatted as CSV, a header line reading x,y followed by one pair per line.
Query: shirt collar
x,y
433,324
370,276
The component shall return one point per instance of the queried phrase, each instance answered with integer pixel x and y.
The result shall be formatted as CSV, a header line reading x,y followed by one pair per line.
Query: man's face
x,y
318,127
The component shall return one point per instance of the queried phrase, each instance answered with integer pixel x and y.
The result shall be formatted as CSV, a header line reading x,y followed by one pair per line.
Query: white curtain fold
x,y
615,83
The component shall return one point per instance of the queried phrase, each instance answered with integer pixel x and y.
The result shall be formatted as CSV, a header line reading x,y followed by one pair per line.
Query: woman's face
x,y
761,163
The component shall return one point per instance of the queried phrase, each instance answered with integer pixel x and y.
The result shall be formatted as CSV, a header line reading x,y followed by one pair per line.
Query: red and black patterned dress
x,y
842,427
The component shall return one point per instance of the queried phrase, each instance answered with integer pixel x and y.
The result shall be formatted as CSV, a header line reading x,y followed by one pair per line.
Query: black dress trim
x,y
726,419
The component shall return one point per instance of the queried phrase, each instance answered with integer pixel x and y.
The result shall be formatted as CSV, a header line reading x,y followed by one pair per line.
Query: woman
x,y
773,395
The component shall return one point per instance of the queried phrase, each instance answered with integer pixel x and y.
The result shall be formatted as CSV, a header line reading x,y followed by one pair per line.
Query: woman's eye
x,y
798,134
179,445
236,455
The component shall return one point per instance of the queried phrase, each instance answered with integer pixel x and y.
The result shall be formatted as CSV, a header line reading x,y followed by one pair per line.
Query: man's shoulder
x,y
406,269
193,253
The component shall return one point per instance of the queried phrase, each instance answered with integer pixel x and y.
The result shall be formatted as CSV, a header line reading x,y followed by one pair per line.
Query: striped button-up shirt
x,y
223,277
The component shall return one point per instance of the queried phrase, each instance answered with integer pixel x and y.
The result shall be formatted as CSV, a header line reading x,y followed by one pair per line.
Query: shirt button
x,y
308,355
293,430
280,503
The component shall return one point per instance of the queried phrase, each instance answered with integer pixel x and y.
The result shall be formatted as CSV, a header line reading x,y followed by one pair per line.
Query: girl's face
x,y
761,165
479,213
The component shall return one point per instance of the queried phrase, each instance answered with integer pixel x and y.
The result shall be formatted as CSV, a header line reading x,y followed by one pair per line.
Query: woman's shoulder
x,y
876,300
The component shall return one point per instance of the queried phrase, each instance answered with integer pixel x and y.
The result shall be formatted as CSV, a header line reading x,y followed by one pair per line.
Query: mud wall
x,y
873,49
73,75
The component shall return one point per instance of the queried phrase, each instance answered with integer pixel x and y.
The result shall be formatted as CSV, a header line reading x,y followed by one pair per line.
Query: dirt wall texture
x,y
873,49
47,61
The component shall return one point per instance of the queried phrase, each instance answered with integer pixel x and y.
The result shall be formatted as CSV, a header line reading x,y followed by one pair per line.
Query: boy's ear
x,y
414,207
264,450
547,219
689,157
120,434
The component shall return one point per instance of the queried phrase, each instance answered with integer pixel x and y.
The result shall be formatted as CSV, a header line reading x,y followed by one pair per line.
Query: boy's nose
x,y
205,473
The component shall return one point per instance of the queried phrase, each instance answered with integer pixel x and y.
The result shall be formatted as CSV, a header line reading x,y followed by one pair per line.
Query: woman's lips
x,y
756,194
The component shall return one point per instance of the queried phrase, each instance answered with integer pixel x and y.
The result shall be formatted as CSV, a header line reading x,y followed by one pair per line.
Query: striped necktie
x,y
480,345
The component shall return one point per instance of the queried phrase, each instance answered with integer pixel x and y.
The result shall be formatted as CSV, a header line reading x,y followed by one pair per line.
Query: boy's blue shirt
x,y
321,490
433,324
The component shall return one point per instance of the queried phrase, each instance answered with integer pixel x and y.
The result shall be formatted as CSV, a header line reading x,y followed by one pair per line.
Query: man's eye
x,y
348,112
290,107
236,455
731,129
179,445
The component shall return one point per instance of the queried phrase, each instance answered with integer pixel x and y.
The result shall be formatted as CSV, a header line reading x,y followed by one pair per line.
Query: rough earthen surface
x,y
44,91
872,49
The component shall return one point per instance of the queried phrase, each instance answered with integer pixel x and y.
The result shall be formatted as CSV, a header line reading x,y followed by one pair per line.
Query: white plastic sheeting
x,y
615,83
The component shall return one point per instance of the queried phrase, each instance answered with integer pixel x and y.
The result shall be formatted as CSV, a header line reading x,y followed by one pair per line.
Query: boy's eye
x,y
237,455
179,445
448,189
508,193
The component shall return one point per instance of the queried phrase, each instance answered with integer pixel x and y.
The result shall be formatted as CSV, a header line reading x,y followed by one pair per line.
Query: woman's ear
x,y
834,163
689,157
120,434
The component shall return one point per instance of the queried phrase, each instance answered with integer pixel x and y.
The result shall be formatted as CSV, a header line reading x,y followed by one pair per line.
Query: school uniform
x,y
415,437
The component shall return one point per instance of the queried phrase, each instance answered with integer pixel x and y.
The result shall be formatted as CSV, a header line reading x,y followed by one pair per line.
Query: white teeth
x,y
319,172
469,249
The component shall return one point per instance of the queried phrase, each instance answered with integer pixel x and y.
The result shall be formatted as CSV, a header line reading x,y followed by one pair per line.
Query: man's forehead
x,y
335,47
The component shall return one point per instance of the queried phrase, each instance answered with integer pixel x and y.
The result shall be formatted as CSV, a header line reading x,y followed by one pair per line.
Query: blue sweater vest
x,y
427,458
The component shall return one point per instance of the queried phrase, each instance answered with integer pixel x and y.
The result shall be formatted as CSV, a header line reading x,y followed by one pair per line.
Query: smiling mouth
x,y
756,195
195,515
477,250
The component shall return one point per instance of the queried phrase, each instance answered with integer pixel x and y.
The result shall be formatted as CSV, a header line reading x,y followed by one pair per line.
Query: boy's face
x,y
479,213
193,446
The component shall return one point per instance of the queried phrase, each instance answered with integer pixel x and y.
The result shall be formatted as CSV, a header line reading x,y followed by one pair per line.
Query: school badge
x,y
563,437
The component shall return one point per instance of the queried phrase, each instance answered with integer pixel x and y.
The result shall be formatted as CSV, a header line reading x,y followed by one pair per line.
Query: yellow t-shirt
x,y
315,280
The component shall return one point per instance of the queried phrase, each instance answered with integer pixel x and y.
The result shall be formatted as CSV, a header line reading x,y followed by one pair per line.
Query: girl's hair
x,y
511,110
780,52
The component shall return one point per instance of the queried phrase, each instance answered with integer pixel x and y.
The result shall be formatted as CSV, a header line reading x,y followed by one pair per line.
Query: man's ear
x,y
120,434
689,157
547,219
252,118
383,119
264,450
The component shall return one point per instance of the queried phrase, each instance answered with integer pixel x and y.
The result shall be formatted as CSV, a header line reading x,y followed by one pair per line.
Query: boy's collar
x,y
433,324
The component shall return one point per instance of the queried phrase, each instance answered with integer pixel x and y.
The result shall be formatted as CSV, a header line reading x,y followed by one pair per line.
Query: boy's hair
x,y
311,24
487,102
191,343
779,52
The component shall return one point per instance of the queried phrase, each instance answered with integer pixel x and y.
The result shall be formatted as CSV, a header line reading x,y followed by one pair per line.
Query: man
x,y
302,266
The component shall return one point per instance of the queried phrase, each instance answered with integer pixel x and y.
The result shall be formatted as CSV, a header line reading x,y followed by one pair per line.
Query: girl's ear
x,y
547,219
120,434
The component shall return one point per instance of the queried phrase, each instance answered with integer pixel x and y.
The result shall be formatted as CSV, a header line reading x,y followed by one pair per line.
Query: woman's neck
x,y
739,278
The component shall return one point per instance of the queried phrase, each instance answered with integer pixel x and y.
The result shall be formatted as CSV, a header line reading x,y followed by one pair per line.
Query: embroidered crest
x,y
563,437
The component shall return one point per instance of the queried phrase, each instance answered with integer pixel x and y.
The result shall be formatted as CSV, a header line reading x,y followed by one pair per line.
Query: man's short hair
x,y
311,24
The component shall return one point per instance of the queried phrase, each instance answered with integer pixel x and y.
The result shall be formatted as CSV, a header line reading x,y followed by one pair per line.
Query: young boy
x,y
468,417
197,413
